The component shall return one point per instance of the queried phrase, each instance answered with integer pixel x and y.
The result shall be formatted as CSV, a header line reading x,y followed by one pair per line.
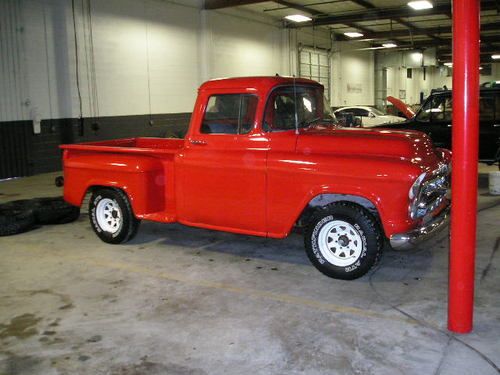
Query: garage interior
x,y
183,300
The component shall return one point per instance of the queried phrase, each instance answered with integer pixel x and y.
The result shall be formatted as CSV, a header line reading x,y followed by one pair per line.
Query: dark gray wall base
x,y
23,153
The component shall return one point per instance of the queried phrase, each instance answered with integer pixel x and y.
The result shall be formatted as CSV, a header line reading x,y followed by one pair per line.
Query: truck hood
x,y
407,145
401,106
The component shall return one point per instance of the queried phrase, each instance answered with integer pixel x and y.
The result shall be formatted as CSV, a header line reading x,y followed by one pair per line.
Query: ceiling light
x,y
495,57
419,5
389,45
480,68
353,34
298,18
448,64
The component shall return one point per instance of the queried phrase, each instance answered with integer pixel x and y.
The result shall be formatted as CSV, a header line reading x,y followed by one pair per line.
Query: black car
x,y
434,118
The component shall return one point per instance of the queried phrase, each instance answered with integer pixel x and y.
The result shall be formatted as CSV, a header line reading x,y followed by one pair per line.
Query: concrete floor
x,y
178,300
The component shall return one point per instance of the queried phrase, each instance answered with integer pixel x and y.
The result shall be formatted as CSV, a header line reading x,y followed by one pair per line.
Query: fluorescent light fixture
x,y
480,68
298,18
419,5
389,45
448,64
495,57
353,34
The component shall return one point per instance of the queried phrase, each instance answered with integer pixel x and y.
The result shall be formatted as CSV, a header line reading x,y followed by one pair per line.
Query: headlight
x,y
427,195
414,190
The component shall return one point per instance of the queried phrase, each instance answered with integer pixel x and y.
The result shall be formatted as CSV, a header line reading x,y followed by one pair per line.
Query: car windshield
x,y
436,108
378,112
297,106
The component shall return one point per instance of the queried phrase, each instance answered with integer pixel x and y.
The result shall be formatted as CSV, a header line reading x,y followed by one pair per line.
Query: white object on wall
x,y
494,182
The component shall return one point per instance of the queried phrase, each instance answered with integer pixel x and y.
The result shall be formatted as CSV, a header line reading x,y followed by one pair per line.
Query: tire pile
x,y
23,215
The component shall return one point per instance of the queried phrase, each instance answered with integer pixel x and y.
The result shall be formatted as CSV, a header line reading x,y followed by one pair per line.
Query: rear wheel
x,y
343,241
111,216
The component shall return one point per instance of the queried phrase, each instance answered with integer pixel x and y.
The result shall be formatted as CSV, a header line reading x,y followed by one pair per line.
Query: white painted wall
x,y
238,46
149,56
353,76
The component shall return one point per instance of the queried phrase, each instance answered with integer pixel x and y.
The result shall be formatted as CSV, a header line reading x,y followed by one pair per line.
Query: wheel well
x,y
93,188
323,200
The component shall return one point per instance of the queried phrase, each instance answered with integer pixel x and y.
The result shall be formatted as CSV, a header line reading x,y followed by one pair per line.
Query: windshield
x,y
293,107
378,112
436,108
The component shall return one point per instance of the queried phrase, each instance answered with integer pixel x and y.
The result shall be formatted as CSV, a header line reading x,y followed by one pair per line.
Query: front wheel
x,y
343,241
111,216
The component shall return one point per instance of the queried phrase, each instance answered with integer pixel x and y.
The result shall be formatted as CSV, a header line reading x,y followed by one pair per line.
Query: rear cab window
x,y
229,114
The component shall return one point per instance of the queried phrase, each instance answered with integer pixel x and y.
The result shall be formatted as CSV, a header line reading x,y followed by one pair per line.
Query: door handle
x,y
198,142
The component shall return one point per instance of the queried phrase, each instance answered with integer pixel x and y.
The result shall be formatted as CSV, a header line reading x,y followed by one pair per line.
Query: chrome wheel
x,y
109,215
340,243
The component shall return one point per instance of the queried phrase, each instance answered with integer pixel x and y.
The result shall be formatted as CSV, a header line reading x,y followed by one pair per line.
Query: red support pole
x,y
465,158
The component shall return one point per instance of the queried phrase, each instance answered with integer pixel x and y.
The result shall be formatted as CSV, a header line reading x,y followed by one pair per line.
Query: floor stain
x,y
95,338
67,306
153,368
15,365
55,323
22,327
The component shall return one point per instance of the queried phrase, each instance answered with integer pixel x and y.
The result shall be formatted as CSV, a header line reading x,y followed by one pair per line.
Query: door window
x,y
487,108
229,114
299,106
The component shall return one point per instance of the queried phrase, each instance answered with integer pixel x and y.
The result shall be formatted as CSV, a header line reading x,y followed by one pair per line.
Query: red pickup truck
x,y
263,155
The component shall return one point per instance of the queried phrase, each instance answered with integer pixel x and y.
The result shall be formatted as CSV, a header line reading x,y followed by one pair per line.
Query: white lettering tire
x,y
343,241
111,216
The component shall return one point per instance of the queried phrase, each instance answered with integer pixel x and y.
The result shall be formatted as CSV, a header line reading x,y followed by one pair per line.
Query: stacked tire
x,y
23,215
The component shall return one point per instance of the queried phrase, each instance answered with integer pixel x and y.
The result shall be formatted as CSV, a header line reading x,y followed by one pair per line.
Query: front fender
x,y
384,203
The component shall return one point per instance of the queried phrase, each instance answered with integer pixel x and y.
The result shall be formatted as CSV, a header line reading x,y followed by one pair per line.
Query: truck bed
x,y
149,146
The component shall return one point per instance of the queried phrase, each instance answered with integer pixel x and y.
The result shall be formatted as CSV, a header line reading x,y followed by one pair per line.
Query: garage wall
x,y
134,57
13,85
239,46
353,76
139,66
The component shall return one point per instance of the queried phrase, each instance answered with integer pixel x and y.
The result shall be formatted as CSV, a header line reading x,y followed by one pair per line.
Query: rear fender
x,y
142,179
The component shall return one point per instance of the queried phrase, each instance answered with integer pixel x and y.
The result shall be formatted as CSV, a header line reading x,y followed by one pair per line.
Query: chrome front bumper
x,y
404,241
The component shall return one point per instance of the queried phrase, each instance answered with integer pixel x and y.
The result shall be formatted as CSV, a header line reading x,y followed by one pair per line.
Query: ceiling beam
x,y
423,31
386,13
219,4
299,7
484,51
487,41
407,24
